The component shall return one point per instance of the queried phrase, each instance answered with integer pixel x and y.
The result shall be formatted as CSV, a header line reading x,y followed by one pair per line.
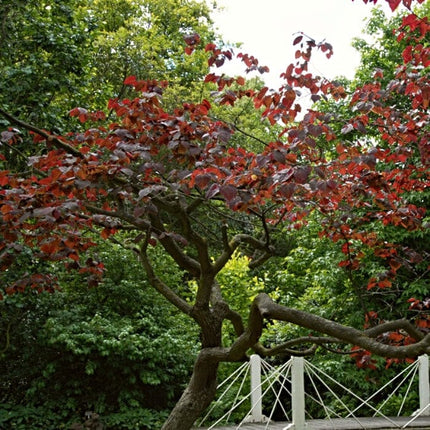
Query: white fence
x,y
289,380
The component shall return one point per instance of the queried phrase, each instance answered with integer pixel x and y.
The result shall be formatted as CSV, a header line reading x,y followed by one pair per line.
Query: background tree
x,y
169,178
118,349
59,55
382,57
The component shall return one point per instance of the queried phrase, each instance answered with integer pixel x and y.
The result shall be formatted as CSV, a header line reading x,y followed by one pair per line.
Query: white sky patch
x,y
267,28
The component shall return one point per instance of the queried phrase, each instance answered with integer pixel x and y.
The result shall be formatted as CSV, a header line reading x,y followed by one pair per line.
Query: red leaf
x,y
81,113
130,80
394,4
210,47
192,39
106,232
298,39
4,179
395,265
287,190
407,54
395,337
423,323
203,180
302,173
228,191
50,247
385,283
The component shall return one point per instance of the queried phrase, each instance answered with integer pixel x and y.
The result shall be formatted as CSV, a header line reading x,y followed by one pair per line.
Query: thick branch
x,y
395,325
160,286
50,138
219,303
287,347
233,244
269,309
169,244
193,237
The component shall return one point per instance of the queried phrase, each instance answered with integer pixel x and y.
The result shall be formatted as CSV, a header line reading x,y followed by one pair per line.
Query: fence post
x,y
256,396
424,384
297,394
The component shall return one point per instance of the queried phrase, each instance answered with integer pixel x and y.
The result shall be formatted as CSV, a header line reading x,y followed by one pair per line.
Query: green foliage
x,y
44,51
378,53
239,284
309,278
55,56
27,417
117,349
50,418
140,419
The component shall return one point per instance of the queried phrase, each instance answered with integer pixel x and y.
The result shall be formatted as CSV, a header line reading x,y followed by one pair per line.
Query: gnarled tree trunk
x,y
197,396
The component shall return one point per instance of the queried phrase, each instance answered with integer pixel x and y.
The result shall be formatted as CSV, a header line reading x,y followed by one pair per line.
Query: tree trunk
x,y
197,396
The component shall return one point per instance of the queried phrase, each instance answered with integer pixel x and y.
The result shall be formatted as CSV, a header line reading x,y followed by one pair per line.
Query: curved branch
x,y
221,307
184,261
198,241
159,285
49,137
233,244
401,324
284,350
269,309
264,307
287,347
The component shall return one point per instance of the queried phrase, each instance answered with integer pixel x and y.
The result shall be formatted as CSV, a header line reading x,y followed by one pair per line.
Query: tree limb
x,y
401,324
159,285
287,347
269,309
49,137
184,261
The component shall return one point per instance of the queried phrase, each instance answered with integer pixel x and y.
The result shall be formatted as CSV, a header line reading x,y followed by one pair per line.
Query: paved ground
x,y
420,423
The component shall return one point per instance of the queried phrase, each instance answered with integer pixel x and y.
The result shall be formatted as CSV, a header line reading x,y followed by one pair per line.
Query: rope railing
x,y
288,382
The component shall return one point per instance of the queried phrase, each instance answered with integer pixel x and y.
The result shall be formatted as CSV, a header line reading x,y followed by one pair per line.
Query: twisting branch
x,y
401,324
183,260
49,137
221,306
157,283
235,242
193,237
287,347
269,309
264,307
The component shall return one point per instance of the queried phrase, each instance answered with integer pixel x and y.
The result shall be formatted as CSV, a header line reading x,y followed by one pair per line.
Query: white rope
x,y
244,368
280,375
410,369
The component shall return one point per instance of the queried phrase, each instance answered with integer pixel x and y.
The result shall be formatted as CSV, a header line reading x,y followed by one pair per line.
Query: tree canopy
x,y
150,175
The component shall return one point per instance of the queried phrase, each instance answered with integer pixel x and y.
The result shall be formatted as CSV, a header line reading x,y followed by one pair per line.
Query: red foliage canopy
x,y
114,176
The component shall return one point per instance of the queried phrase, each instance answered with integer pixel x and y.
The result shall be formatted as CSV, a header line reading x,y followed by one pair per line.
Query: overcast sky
x,y
267,28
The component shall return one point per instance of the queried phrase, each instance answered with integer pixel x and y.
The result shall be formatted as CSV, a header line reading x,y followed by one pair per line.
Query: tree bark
x,y
197,396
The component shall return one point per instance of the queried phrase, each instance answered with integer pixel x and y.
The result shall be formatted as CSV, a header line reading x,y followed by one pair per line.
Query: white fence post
x,y
297,394
424,384
256,396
